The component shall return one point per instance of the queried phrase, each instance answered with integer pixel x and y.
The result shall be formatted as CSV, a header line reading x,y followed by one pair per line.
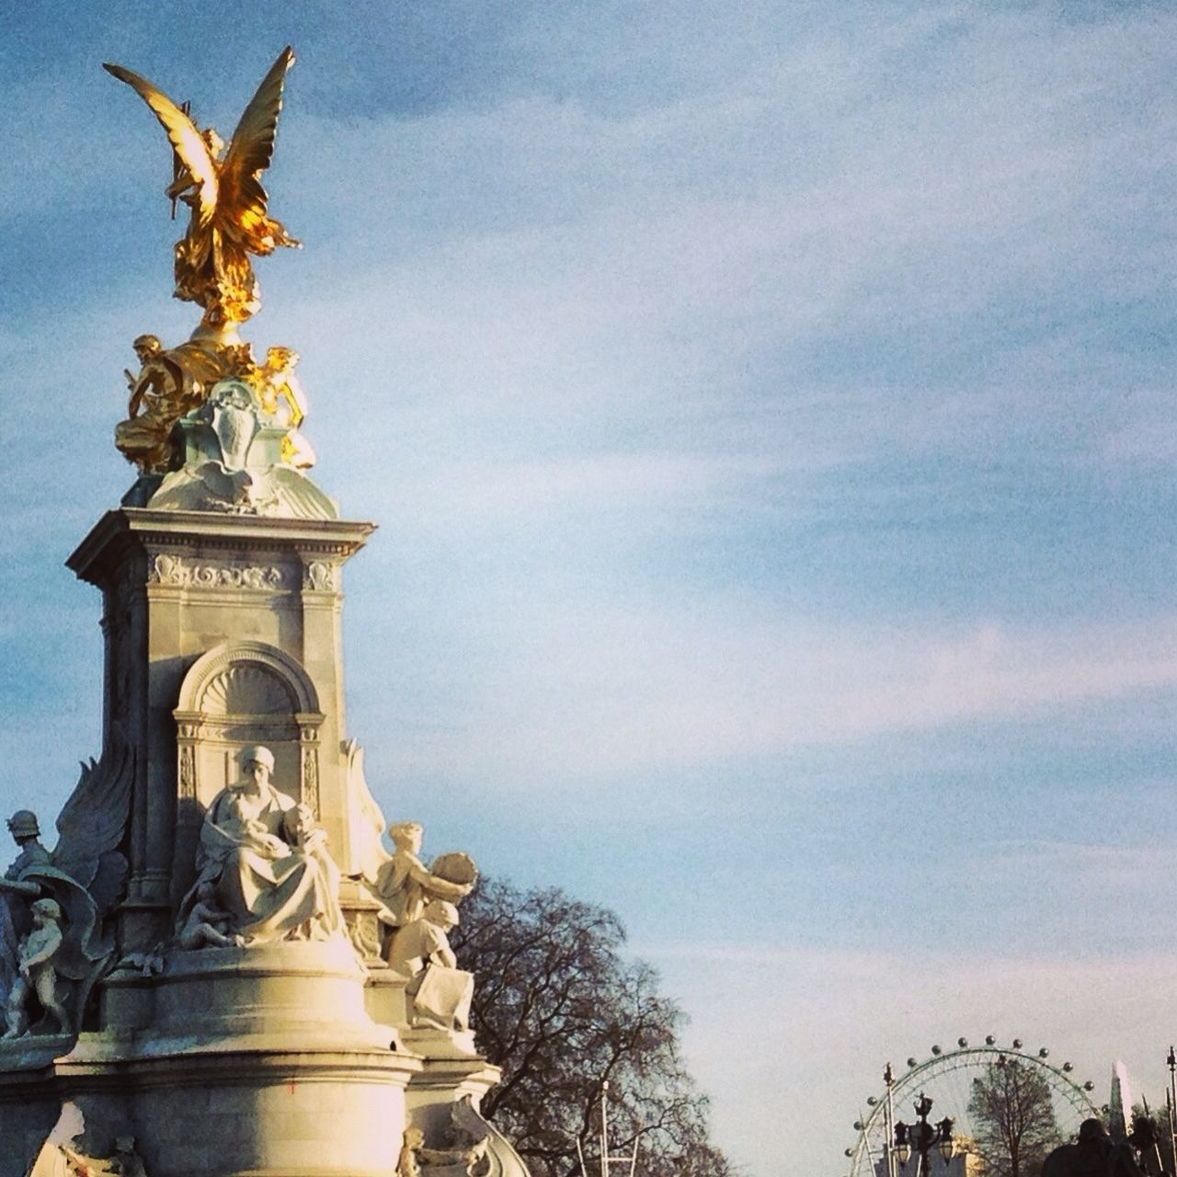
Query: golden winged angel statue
x,y
229,215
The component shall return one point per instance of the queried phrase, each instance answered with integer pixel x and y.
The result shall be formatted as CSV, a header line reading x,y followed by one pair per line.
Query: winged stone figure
x,y
229,207
84,877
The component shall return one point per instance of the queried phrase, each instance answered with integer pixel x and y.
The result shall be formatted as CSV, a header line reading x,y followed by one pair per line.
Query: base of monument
x,y
246,1113
262,997
228,1062
443,1082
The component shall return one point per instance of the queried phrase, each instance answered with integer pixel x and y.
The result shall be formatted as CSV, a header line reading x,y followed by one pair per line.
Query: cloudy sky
x,y
767,412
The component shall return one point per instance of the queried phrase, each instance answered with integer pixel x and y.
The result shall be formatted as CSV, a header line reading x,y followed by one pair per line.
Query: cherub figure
x,y
282,399
303,832
407,1164
36,972
207,924
229,208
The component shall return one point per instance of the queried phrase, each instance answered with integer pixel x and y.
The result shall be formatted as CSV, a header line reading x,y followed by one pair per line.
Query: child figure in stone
x,y
303,831
207,924
404,883
255,830
420,952
36,972
418,1161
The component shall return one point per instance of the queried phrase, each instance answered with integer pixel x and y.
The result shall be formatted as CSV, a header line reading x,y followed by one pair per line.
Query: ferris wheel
x,y
947,1076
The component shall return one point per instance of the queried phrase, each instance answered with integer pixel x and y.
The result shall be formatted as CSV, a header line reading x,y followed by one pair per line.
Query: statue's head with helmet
x,y
22,825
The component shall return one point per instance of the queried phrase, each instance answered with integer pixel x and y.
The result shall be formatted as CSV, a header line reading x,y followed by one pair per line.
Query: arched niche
x,y
243,693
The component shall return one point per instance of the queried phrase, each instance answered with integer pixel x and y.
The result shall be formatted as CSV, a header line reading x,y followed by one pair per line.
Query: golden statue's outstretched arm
x,y
186,141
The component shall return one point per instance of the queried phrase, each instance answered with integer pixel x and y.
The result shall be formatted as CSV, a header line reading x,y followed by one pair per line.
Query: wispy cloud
x,y
592,690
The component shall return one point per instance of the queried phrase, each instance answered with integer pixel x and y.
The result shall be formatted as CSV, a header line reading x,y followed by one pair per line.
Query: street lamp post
x,y
921,1137
1172,1098
889,1122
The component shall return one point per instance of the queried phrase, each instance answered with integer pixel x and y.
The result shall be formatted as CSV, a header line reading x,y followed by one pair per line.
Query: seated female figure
x,y
267,860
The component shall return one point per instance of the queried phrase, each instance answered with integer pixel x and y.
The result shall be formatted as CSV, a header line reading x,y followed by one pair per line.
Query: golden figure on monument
x,y
170,383
228,223
229,218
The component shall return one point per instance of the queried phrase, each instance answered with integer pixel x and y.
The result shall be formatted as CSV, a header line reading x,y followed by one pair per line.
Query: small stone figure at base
x,y
440,992
415,1158
37,975
207,924
124,1161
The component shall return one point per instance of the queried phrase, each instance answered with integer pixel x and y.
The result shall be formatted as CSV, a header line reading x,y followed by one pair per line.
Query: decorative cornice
x,y
131,530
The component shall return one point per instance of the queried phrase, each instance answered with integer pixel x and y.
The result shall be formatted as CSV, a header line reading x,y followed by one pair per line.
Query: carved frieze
x,y
363,929
180,572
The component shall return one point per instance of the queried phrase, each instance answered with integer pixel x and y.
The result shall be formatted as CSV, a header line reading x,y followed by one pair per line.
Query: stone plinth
x,y
234,1062
309,993
224,1113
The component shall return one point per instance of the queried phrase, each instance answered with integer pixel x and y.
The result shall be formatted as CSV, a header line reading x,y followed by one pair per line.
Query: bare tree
x,y
1013,1114
561,1010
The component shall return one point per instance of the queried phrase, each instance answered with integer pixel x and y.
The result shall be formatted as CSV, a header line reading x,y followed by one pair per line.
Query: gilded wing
x,y
243,198
185,139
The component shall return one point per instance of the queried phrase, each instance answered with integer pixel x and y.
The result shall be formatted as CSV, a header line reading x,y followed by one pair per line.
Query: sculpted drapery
x,y
266,860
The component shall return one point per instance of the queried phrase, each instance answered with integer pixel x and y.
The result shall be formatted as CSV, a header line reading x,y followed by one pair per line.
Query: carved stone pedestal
x,y
229,1113
309,993
234,1062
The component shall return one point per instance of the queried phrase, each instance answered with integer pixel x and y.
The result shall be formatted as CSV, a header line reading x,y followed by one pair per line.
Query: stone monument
x,y
221,968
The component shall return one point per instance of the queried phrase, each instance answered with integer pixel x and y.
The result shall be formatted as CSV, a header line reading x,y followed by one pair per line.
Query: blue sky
x,y
767,411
